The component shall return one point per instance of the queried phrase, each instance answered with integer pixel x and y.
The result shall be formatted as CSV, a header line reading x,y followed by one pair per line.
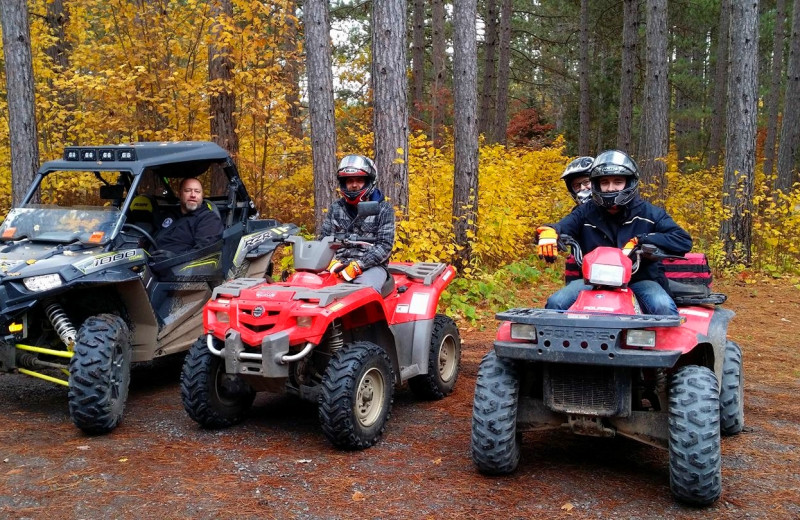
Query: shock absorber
x,y
336,340
61,323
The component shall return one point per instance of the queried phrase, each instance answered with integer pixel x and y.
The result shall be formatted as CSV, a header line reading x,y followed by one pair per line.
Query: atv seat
x,y
694,294
144,212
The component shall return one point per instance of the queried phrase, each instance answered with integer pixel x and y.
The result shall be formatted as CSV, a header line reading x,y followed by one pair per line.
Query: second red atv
x,y
602,368
338,344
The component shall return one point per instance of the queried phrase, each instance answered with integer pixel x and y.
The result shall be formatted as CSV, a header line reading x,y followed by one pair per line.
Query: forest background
x,y
554,79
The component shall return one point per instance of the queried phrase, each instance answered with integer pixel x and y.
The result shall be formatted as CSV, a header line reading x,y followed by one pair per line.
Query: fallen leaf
x,y
13,471
567,507
358,496
83,447
437,461
124,459
303,461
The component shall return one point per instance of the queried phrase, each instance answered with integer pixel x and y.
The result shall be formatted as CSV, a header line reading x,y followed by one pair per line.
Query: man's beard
x,y
191,206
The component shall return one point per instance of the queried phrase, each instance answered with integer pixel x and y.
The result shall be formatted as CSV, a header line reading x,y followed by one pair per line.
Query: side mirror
x,y
366,209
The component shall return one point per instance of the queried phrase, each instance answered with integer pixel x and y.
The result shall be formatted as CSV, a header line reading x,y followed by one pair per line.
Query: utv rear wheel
x,y
695,461
356,398
731,392
99,374
444,358
495,441
213,398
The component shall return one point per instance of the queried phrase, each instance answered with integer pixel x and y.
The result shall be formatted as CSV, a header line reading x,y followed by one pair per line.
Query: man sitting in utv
x,y
193,227
618,217
357,178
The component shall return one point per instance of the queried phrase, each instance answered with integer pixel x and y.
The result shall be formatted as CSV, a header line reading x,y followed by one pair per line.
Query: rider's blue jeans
x,y
651,296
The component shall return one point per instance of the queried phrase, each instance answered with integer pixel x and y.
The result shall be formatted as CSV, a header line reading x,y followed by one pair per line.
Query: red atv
x,y
602,368
341,345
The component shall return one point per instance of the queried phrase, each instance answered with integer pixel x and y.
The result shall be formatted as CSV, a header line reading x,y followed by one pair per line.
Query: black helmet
x,y
578,168
613,163
357,166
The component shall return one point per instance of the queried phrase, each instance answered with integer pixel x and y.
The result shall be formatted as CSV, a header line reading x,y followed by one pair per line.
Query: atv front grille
x,y
587,389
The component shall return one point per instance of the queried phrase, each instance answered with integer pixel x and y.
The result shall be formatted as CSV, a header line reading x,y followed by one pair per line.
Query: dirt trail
x,y
277,464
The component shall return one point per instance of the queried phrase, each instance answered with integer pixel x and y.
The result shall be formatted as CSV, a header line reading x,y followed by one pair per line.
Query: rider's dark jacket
x,y
593,226
196,229
380,227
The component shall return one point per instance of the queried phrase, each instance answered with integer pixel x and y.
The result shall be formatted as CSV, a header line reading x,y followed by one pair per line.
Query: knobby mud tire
x,y
695,458
99,374
211,397
731,391
356,398
495,441
444,361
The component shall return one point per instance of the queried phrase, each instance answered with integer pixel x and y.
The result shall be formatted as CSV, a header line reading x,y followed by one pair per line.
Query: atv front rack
x,y
585,338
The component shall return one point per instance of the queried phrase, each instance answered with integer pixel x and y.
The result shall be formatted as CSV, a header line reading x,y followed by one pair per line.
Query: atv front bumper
x,y
272,361
584,338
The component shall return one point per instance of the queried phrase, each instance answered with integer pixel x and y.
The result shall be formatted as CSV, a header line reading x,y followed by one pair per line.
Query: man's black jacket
x,y
593,226
196,229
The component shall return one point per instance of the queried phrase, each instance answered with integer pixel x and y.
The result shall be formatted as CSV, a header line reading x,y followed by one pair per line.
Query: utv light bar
x,y
100,154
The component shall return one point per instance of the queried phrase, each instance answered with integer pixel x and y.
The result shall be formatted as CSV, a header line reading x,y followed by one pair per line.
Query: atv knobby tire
x,y
211,397
444,358
731,391
356,397
695,460
495,442
99,374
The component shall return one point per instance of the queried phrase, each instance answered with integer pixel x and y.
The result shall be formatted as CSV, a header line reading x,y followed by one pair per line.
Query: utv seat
x,y
144,212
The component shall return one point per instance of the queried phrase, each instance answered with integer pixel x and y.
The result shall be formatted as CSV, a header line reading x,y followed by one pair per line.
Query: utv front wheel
x,y
731,392
495,441
211,397
99,374
444,357
695,460
356,397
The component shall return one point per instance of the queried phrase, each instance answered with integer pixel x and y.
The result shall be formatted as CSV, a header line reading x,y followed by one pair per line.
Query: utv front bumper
x,y
585,338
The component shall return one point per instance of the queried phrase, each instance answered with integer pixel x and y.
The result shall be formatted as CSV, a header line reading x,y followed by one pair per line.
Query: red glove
x,y
628,247
546,247
350,272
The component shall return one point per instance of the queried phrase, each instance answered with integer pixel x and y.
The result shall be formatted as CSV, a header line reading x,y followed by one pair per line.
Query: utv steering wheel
x,y
144,233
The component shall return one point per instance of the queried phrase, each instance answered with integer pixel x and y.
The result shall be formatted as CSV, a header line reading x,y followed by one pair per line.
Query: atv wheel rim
x,y
447,358
116,373
369,397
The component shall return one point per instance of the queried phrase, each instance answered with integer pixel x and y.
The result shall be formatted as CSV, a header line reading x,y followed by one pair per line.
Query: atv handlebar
x,y
641,251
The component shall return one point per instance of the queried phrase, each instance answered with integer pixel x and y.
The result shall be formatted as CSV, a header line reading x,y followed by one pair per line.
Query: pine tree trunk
x,y
720,84
292,70
740,145
486,114
418,59
774,96
790,129
630,40
503,72
465,92
222,100
654,143
438,51
320,105
583,67
23,137
390,110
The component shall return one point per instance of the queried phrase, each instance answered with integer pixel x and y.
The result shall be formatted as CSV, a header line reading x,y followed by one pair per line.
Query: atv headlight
x,y
523,331
43,283
603,274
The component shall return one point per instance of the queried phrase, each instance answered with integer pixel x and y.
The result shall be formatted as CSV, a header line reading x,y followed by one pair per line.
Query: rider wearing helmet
x,y
576,177
618,217
357,178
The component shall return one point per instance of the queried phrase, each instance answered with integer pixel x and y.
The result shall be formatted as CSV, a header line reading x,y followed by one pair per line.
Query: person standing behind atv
x,y
357,178
576,177
618,217
194,226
